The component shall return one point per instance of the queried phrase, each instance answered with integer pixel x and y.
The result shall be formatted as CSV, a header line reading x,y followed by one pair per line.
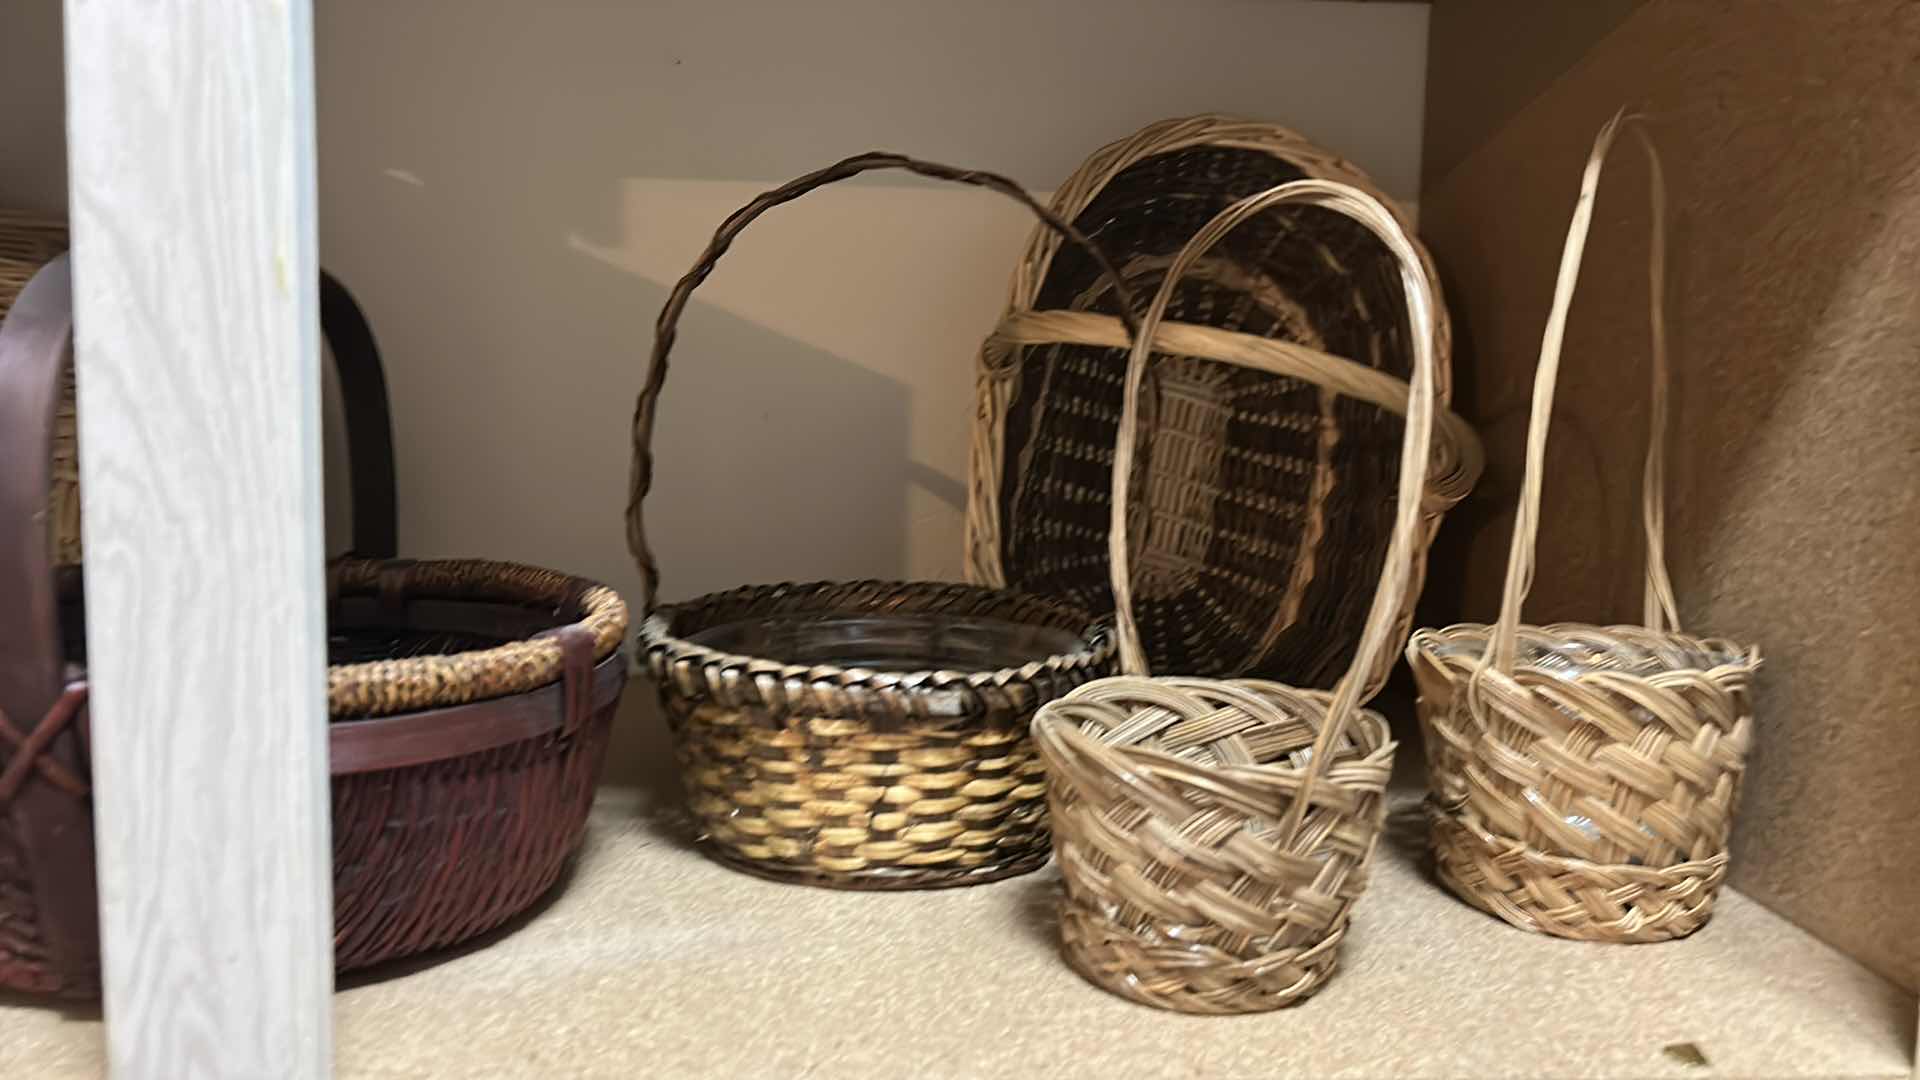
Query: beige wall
x,y
1794,155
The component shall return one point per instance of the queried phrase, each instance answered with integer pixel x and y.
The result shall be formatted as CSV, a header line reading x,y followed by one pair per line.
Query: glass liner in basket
x,y
1584,778
867,734
1214,835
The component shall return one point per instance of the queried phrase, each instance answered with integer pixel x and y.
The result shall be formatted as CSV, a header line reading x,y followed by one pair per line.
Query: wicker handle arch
x,y
1415,448
1661,611
667,326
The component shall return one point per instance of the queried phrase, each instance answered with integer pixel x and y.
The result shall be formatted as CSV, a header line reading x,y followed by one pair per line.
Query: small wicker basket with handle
x,y
1272,423
1214,835
1584,778
867,734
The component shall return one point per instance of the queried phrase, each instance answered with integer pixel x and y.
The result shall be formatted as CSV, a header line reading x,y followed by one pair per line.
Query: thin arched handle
x,y
1660,609
641,480
1416,446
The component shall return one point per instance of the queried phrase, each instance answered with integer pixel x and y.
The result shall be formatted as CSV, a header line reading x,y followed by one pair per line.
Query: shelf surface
x,y
653,961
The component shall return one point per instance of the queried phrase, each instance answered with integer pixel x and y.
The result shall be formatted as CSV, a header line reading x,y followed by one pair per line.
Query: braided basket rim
x,y
524,665
1429,645
664,643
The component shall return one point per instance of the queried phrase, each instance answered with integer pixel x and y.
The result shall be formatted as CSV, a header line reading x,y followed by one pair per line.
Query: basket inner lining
x,y
891,642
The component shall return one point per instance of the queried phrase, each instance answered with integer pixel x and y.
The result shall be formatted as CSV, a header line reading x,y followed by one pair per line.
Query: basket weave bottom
x,y
1572,898
880,879
1191,977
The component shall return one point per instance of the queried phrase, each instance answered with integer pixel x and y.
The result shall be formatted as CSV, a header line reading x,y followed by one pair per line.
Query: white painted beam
x,y
191,172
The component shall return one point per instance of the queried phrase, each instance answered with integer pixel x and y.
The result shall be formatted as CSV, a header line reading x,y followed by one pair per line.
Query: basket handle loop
x,y
666,327
1415,447
1660,609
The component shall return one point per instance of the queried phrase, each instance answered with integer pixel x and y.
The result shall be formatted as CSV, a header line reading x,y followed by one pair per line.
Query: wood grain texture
x,y
191,163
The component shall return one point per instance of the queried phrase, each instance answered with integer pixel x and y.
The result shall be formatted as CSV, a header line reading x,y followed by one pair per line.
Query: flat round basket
x,y
861,735
470,701
1271,425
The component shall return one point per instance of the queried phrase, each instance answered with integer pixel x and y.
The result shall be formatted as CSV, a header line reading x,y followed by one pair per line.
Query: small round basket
x,y
1583,778
860,735
1214,836
470,702
1270,429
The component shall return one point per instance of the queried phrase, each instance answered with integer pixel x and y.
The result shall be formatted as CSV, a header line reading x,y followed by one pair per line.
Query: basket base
x,y
1572,898
887,879
1190,977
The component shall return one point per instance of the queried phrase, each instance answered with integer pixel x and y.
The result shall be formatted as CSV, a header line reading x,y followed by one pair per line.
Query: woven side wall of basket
x,y
1215,835
825,732
28,242
1269,438
1584,779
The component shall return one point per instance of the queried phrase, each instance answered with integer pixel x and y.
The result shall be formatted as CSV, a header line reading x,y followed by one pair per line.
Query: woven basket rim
x,y
533,662
1427,643
1369,730
657,636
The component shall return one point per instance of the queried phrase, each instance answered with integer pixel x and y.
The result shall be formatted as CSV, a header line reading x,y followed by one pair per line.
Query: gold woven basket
x,y
1584,778
868,734
1215,835
1272,420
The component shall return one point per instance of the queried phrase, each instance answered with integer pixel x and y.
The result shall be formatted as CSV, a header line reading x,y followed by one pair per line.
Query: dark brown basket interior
x,y
1297,273
892,643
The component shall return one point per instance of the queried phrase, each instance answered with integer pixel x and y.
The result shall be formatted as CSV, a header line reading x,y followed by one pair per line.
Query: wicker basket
x,y
1272,426
470,704
1584,778
1214,835
867,735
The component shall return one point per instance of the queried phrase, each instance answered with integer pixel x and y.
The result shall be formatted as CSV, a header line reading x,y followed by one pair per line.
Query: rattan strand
x,y
1214,836
1271,436
1584,779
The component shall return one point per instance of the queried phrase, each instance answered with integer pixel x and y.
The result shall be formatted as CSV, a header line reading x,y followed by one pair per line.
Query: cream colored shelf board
x,y
654,961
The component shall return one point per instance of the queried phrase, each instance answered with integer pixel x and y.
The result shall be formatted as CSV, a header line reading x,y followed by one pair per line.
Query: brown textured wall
x,y
1792,135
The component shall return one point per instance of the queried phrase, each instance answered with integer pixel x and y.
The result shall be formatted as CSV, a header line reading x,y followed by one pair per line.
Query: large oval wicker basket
x,y
1584,779
868,735
1270,430
1214,835
470,701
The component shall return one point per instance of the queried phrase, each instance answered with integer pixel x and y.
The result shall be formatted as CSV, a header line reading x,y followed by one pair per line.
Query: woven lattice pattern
x,y
1591,793
434,855
914,775
1264,492
1166,797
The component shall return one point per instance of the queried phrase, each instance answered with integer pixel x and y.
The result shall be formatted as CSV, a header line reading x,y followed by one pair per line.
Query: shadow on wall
x,y
510,196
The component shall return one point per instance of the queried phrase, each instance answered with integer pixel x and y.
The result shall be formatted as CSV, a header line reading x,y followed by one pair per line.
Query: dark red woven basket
x,y
471,701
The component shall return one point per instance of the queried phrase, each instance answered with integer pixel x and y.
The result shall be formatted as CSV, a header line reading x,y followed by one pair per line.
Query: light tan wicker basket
x,y
1584,778
1215,835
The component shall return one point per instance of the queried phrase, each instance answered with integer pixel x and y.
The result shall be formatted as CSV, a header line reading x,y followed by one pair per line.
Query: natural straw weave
x,y
28,242
1215,835
1585,778
1270,431
815,763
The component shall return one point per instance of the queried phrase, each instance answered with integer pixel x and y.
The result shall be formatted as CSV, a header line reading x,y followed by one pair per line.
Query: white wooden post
x,y
191,157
